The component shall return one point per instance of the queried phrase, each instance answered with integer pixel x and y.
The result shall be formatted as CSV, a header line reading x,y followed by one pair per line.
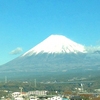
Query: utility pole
x,y
35,83
21,88
5,79
81,87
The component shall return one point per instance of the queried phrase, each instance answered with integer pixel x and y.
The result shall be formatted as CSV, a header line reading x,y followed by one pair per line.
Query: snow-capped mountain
x,y
56,53
56,44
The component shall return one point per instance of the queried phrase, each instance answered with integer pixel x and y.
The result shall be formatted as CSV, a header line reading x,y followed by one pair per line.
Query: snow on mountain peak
x,y
56,44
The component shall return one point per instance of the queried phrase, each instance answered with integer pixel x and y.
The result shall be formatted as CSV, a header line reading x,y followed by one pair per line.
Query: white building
x,y
56,98
15,94
97,90
33,98
39,93
18,98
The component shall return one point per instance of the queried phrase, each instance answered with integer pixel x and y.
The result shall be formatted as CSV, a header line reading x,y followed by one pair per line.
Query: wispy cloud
x,y
92,48
16,51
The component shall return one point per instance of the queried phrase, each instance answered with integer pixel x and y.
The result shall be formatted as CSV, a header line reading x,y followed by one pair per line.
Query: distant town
x,y
46,95
30,91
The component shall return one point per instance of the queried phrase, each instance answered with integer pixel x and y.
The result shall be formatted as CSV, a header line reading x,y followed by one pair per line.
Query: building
x,y
15,94
56,98
38,93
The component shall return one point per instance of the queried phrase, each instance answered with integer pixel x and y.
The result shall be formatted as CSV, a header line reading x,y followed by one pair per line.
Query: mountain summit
x,y
56,44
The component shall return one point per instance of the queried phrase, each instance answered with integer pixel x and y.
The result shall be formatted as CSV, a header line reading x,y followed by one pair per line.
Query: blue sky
x,y
25,23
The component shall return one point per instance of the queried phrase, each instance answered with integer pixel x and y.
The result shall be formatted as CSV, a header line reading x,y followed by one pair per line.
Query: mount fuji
x,y
56,53
56,44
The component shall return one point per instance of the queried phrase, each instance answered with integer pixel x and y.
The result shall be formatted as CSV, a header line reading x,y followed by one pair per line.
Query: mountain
x,y
56,44
55,54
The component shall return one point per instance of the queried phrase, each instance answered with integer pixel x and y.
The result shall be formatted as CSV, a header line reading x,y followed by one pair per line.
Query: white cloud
x,y
92,48
16,51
